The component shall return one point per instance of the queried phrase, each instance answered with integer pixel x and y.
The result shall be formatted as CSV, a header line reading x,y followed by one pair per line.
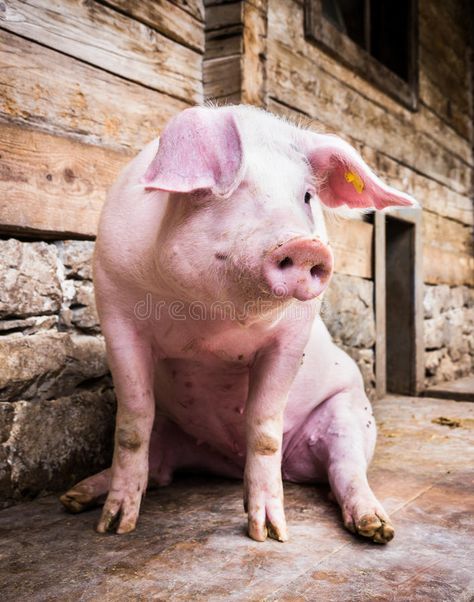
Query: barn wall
x,y
83,87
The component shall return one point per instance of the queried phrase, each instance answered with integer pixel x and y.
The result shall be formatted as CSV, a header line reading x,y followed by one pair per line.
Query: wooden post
x,y
380,318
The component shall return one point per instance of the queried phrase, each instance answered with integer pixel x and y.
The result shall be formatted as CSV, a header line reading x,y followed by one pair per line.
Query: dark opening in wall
x,y
376,38
381,28
400,306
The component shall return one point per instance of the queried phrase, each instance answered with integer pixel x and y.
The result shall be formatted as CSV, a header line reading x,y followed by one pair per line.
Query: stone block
x,y
29,280
79,308
49,364
348,311
365,360
76,256
54,443
434,332
435,299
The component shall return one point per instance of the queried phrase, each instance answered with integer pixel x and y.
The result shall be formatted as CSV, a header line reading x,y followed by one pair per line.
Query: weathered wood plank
x,y
444,267
193,7
310,64
220,45
447,234
103,37
431,194
223,15
52,185
300,83
221,77
166,18
444,52
444,107
77,99
352,242
254,52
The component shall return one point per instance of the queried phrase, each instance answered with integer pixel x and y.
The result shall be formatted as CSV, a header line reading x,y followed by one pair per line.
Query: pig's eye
x,y
307,198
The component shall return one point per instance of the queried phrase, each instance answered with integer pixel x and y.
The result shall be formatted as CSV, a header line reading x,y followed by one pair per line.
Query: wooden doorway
x,y
399,303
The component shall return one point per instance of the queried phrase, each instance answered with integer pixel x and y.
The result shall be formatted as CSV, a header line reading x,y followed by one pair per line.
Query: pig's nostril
x,y
317,270
287,262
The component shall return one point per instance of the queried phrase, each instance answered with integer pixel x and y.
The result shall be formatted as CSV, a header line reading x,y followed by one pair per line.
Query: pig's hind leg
x,y
88,493
341,436
170,449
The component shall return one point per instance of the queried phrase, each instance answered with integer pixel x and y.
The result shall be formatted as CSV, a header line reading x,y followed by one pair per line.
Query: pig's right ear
x,y
199,149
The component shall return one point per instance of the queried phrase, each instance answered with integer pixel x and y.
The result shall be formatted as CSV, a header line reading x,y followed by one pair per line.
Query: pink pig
x,y
211,260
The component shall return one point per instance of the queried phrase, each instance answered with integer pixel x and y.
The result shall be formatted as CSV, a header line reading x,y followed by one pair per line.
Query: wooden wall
x,y
83,86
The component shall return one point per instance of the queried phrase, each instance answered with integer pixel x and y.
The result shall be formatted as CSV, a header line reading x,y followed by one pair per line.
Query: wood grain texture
x,y
76,98
107,39
445,267
222,77
167,18
193,7
351,241
444,55
380,306
254,54
302,76
222,71
51,185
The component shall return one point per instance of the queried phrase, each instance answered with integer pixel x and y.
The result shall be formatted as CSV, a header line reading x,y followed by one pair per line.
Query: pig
x,y
211,261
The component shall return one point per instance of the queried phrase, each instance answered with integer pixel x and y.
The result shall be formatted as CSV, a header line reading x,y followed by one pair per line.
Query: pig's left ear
x,y
200,149
343,177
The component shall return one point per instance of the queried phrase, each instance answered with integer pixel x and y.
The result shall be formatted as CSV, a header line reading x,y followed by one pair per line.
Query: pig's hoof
x,y
76,501
373,526
266,522
120,515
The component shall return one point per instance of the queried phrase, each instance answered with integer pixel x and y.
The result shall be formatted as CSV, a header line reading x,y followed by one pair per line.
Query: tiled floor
x,y
191,542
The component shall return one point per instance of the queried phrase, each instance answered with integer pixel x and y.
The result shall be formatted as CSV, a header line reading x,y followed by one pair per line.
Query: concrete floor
x,y
191,542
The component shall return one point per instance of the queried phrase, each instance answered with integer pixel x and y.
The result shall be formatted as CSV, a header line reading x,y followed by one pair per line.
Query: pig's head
x,y
244,219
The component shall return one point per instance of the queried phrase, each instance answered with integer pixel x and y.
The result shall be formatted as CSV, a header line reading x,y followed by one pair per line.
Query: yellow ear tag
x,y
355,180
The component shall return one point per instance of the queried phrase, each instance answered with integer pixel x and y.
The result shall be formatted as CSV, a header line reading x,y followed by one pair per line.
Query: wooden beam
x,y
167,18
107,39
76,98
52,186
445,267
254,54
351,241
193,7
380,313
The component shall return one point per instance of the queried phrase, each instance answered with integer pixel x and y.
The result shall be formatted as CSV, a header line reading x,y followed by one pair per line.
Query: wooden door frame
x,y
413,216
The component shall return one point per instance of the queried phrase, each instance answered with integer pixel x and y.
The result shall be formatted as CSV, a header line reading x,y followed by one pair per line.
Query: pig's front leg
x,y
130,361
271,377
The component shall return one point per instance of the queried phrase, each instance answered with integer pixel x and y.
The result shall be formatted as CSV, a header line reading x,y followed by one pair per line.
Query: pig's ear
x,y
343,177
199,149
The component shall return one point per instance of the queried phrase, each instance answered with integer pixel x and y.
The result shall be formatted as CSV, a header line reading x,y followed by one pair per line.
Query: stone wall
x,y
348,312
56,398
448,332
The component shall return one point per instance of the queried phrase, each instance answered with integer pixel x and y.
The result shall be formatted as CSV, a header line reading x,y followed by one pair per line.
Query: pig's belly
x,y
207,399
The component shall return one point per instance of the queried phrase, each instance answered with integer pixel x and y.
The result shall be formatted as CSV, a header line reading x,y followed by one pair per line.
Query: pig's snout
x,y
300,268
